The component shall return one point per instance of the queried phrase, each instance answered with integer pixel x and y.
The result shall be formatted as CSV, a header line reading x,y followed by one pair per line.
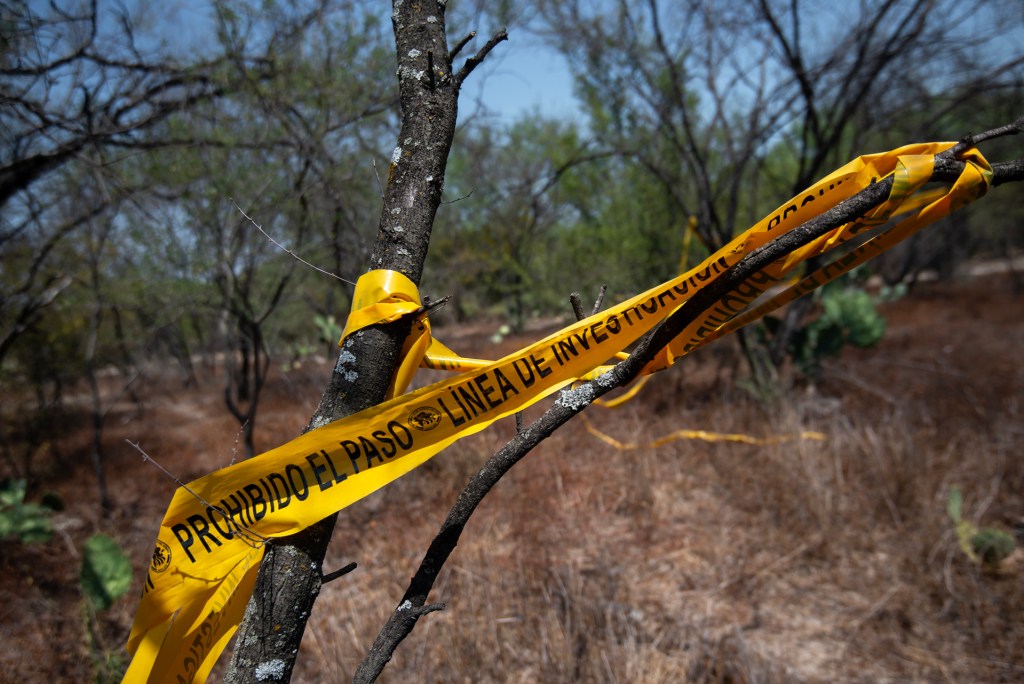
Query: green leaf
x,y
865,326
32,523
29,522
831,305
992,546
12,492
106,571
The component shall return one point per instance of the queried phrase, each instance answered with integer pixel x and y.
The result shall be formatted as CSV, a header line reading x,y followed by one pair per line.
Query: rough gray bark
x,y
291,574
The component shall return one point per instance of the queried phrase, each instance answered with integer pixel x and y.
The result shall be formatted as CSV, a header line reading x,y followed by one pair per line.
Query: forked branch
x,y
479,57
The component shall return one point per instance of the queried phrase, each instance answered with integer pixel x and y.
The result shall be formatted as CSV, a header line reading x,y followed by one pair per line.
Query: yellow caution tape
x,y
926,208
625,396
702,435
440,357
212,537
384,297
691,229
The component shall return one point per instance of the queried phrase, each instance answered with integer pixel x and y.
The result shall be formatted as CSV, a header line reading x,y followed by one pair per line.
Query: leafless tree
x,y
157,123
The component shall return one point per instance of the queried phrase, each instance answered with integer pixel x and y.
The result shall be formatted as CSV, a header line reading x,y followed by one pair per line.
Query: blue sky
x,y
521,75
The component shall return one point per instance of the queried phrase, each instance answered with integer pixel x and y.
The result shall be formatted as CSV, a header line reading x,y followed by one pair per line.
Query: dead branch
x,y
1015,128
462,43
474,61
286,250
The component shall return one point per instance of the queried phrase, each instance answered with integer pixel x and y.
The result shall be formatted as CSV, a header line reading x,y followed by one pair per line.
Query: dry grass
x,y
697,562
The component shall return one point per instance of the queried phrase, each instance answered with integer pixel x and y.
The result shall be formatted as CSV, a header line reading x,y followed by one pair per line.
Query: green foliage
x,y
992,546
105,576
29,522
848,316
106,573
329,329
983,545
497,248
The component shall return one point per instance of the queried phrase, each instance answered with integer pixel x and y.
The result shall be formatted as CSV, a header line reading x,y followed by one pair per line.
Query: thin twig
x,y
234,447
600,300
972,140
461,44
479,57
242,530
577,305
459,199
430,608
340,572
285,249
174,478
380,185
430,307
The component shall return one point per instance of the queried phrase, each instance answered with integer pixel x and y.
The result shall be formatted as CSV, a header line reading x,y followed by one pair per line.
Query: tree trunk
x,y
97,407
278,610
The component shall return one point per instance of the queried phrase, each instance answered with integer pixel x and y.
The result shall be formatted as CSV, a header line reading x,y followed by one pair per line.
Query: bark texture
x,y
291,575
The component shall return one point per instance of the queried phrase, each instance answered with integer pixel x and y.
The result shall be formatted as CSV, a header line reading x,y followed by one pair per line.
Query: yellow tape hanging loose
x,y
700,435
212,537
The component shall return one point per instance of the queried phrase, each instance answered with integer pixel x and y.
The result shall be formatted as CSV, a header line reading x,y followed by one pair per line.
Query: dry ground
x,y
803,561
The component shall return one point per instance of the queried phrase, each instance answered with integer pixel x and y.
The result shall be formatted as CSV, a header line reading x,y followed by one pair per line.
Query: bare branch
x,y
376,175
340,572
459,199
402,621
461,44
287,251
969,141
479,57
577,306
600,300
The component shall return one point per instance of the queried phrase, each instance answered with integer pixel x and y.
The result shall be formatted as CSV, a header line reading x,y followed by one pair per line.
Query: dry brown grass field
x,y
710,562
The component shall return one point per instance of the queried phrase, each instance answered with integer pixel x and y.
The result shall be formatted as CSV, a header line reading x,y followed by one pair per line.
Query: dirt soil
x,y
802,560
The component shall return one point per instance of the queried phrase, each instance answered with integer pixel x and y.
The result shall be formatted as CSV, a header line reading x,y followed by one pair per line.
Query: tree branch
x,y
969,141
290,576
479,57
462,43
571,402
340,572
